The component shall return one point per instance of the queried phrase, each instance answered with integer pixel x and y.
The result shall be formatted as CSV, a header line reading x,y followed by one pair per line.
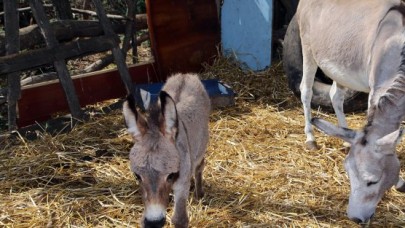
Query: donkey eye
x,y
371,183
138,177
172,177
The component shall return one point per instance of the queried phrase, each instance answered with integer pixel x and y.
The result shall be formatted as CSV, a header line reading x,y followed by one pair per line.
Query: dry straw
x,y
258,173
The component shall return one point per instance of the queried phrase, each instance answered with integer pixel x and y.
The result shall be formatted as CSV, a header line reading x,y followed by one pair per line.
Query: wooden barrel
x,y
184,33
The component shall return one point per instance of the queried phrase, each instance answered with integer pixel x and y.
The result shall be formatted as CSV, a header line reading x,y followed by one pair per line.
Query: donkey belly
x,y
345,76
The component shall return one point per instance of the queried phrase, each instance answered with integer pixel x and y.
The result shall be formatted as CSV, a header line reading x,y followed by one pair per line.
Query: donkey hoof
x,y
400,186
311,145
346,147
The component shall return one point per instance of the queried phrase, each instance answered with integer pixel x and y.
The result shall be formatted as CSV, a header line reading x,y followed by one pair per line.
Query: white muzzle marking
x,y
155,212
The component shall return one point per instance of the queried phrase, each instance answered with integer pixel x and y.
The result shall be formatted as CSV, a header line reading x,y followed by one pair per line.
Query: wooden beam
x,y
39,102
12,47
67,30
117,53
35,58
131,29
27,9
63,9
75,10
51,42
94,14
108,59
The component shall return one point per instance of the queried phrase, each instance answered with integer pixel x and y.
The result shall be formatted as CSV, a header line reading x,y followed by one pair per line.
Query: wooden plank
x,y
12,47
117,53
67,30
63,9
134,24
183,33
40,102
108,59
130,30
43,56
51,42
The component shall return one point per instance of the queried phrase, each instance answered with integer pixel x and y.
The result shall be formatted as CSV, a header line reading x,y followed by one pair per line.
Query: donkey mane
x,y
154,115
396,91
391,99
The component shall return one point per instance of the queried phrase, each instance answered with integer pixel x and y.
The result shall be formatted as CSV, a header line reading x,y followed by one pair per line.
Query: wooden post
x,y
117,53
132,11
86,6
129,29
12,46
60,65
63,9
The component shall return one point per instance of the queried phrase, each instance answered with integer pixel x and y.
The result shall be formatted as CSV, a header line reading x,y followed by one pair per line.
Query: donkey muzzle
x,y
362,222
155,223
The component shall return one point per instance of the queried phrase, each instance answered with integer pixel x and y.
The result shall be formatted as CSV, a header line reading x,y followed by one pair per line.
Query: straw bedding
x,y
257,173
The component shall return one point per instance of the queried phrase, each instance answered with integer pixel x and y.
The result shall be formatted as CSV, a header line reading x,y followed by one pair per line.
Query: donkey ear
x,y
136,123
170,122
387,143
328,128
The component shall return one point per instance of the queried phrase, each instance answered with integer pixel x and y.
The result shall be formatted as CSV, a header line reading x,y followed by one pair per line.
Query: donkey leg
x,y
400,186
337,96
199,192
181,191
308,77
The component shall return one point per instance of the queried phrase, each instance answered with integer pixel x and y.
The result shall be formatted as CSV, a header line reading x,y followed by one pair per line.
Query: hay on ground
x,y
257,174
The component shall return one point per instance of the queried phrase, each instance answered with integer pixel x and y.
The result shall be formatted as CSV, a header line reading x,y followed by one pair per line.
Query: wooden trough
x,y
40,101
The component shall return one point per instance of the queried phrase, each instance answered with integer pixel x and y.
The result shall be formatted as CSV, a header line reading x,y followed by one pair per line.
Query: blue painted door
x,y
246,29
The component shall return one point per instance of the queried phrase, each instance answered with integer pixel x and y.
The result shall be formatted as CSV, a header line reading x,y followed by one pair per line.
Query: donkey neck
x,y
384,121
388,110
380,127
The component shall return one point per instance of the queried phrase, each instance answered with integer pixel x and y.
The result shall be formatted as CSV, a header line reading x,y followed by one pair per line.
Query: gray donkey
x,y
357,44
170,143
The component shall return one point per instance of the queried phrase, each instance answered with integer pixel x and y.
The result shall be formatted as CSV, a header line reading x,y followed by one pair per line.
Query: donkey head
x,y
154,158
372,167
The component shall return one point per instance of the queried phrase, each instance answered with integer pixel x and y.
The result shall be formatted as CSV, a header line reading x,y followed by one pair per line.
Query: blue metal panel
x,y
246,29
217,91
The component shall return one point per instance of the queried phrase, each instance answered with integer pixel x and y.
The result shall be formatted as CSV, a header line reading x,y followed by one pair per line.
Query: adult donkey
x,y
372,164
170,147
357,43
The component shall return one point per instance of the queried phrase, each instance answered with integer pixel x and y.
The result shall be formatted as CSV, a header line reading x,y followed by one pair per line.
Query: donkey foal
x,y
170,143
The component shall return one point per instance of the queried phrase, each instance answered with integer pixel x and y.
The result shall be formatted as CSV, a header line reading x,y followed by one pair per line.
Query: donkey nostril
x,y
154,223
356,220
